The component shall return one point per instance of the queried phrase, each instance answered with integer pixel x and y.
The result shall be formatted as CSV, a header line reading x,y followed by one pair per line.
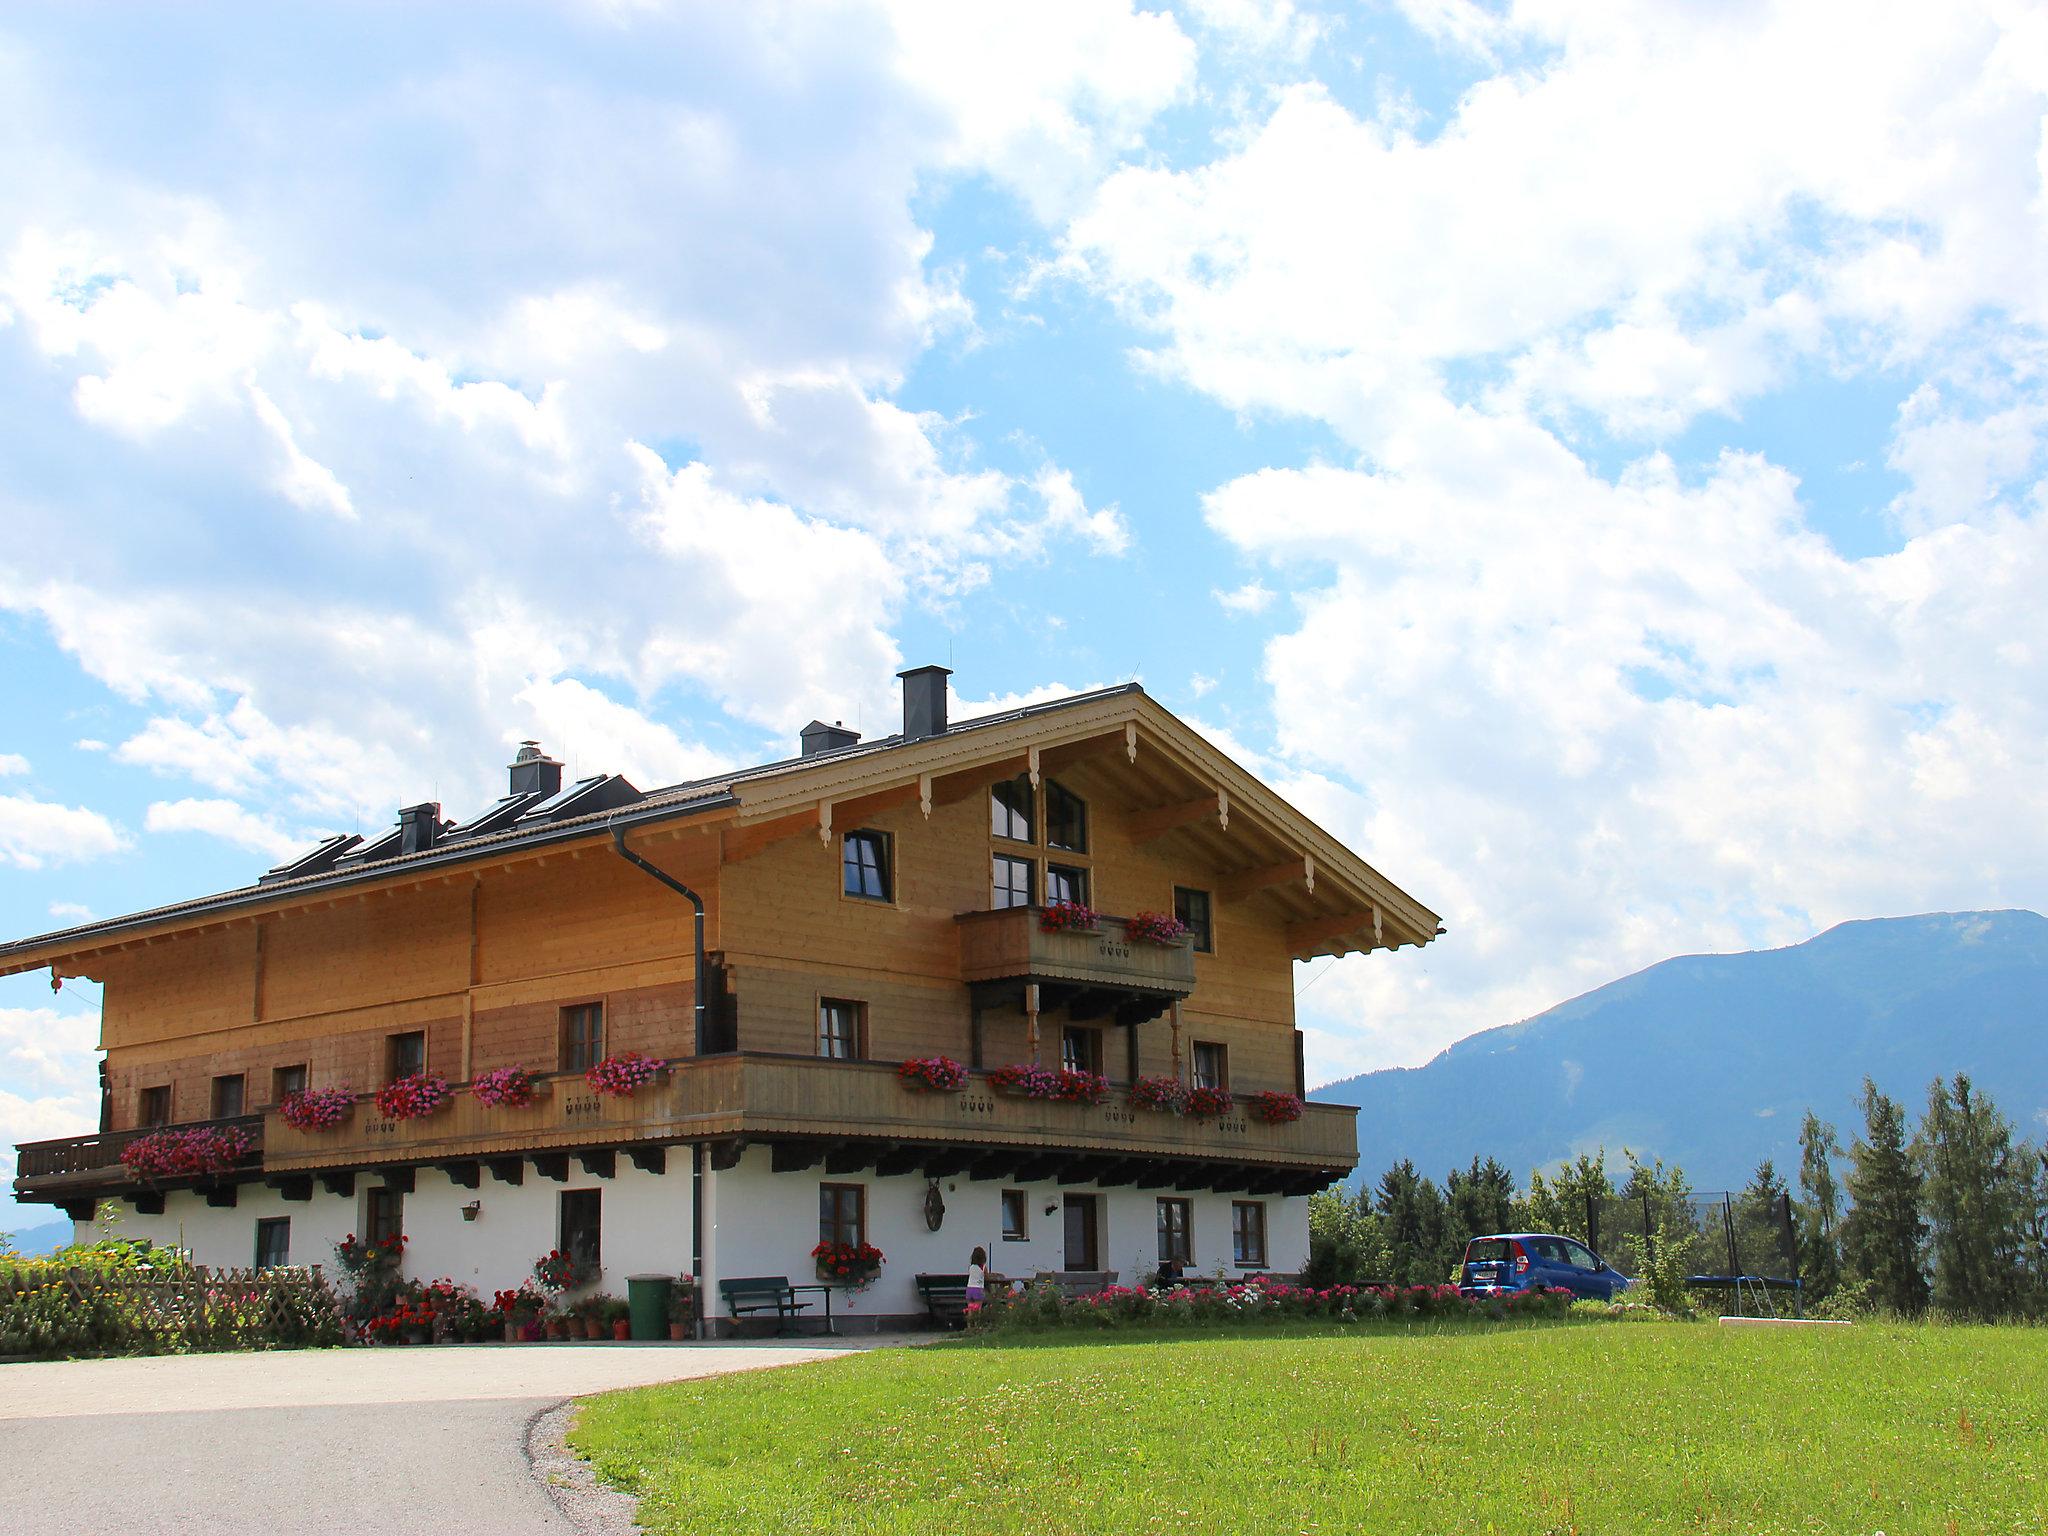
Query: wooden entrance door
x,y
1084,1251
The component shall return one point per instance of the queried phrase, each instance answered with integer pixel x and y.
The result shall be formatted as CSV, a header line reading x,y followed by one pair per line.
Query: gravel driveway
x,y
405,1441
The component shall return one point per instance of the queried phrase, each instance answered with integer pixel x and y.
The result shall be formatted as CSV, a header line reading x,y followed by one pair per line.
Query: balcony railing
x,y
83,1167
1014,944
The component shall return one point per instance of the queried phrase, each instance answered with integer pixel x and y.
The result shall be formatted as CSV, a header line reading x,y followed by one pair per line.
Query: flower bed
x,y
932,1074
1251,1301
1161,928
1164,1095
1080,1087
316,1109
1276,1108
1025,1079
504,1088
414,1097
623,1075
854,1264
186,1154
1067,917
1209,1102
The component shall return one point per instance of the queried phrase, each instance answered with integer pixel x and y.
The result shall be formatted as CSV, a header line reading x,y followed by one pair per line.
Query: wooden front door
x,y
1083,1250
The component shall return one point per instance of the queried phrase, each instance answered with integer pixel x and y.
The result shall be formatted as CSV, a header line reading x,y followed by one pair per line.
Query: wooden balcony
x,y
855,1113
1090,971
77,1170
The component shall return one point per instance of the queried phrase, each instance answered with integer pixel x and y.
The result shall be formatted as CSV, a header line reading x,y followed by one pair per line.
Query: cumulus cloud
x,y
35,833
226,820
13,762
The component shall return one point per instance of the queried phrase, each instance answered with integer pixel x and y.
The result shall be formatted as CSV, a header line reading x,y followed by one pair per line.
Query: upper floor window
x,y
839,1028
582,1037
154,1106
1066,820
286,1081
864,857
1192,908
1012,885
1081,1049
1212,1065
1065,883
227,1097
405,1054
1009,809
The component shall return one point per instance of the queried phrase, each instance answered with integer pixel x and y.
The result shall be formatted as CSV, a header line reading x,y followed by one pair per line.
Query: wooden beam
x,y
726,1154
150,1204
400,1179
1320,930
951,788
342,1183
737,843
292,1186
794,1156
648,1159
945,1164
849,1157
1144,826
221,1197
995,1165
1247,882
901,1159
599,1163
552,1165
464,1172
507,1170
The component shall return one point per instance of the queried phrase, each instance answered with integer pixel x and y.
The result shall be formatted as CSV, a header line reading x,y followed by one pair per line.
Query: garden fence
x,y
61,1309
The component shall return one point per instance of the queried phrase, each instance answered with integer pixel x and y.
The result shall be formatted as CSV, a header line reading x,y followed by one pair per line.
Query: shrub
x,y
1045,1306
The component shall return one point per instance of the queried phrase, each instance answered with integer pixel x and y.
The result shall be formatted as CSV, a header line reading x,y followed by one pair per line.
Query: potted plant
x,y
1067,917
623,1075
1024,1080
316,1109
1164,1095
932,1074
1209,1102
1080,1087
1276,1108
504,1087
189,1153
682,1307
555,1272
414,1096
1161,928
557,1325
618,1313
853,1265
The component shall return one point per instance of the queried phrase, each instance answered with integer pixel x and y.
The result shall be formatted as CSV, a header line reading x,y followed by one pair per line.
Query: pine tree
x,y
1964,1150
1759,1224
1411,1212
1479,1199
1819,1209
1882,1234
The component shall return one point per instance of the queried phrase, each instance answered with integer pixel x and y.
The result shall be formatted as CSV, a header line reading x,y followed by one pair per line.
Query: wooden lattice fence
x,y
61,1309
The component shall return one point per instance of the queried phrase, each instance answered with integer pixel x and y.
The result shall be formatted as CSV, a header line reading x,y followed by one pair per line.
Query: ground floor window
x,y
1016,1216
384,1215
843,1213
1176,1244
1248,1233
581,1234
273,1241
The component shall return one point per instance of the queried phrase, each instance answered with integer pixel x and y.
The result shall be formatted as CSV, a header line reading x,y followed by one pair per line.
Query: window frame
x,y
146,1098
392,1200
858,1043
1054,787
885,864
241,1095
571,1042
271,1225
1021,1232
1169,1230
393,1066
1030,868
1077,875
1204,932
279,1091
1241,1230
1029,814
1196,1075
830,1226
587,1256
1090,1058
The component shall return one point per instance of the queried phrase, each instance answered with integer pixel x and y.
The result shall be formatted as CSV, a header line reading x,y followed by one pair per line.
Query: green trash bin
x,y
647,1297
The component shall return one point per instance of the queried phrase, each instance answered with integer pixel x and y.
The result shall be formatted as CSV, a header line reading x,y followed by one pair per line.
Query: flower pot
x,y
592,1328
557,1329
677,1332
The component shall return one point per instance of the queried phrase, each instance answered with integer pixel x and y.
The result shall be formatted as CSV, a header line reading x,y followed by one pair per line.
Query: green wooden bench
x,y
752,1294
945,1297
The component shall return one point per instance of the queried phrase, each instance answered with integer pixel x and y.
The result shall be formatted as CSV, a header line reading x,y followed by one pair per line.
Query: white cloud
x,y
1274,27
12,762
71,911
1252,597
226,820
49,1082
1201,685
304,482
586,727
88,744
35,833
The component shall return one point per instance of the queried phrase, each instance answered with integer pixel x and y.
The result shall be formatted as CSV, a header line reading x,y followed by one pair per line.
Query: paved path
x,y
403,1441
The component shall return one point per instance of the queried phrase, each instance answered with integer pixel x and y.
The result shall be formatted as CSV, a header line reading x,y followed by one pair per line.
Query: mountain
x,y
1710,1061
35,1242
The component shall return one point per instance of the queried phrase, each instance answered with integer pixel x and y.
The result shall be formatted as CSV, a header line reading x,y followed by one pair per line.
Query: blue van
x,y
1529,1261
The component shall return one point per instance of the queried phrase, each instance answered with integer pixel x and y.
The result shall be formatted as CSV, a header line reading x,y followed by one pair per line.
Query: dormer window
x,y
1066,820
864,858
1009,810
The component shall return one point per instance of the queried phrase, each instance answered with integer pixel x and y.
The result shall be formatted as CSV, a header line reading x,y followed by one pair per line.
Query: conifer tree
x,y
1883,1233
1411,1212
1819,1209
1964,1150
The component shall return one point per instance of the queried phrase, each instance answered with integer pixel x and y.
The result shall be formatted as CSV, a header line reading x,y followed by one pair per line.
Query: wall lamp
x,y
469,1211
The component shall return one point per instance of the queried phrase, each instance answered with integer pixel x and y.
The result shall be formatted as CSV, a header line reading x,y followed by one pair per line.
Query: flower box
x,y
1209,1102
1276,1108
190,1153
1025,1080
1164,1095
932,1074
504,1088
1161,928
1067,917
1080,1087
414,1097
623,1075
849,1264
316,1109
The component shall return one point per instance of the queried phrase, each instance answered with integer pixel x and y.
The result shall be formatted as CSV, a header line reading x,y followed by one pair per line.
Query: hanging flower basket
x,y
1166,1095
1276,1108
186,1154
932,1074
504,1088
1161,928
1206,1102
1025,1080
1067,917
1080,1087
316,1109
850,1264
623,1075
556,1272
414,1097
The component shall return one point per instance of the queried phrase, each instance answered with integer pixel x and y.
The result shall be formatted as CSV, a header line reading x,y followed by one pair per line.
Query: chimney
x,y
819,737
535,772
924,702
418,826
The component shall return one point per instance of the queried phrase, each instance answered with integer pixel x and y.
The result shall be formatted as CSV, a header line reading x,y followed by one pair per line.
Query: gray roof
x,y
676,800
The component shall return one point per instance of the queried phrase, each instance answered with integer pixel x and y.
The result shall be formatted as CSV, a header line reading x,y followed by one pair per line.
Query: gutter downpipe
x,y
699,986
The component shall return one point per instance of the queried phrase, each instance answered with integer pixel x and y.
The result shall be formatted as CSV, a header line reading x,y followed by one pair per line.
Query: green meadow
x,y
1534,1428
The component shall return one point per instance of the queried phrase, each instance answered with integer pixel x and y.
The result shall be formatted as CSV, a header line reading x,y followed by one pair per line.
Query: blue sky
x,y
1590,460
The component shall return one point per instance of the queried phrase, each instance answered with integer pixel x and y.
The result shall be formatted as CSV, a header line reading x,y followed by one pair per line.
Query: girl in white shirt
x,y
977,1273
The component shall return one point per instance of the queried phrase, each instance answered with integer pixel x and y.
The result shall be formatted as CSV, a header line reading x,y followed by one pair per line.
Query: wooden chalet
x,y
783,938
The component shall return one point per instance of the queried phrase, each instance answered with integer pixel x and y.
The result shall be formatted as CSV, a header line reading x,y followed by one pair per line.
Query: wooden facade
x,y
481,950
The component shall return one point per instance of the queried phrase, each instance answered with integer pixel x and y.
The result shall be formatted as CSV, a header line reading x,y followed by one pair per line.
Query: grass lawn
x,y
1525,1429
